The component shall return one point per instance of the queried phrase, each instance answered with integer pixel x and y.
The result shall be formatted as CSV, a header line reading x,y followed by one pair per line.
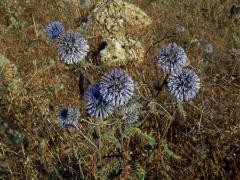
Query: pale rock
x,y
120,24
121,51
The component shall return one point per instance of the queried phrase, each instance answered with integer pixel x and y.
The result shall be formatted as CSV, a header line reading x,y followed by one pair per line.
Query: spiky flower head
x,y
181,28
72,47
97,106
172,58
208,48
184,84
131,116
117,87
69,117
54,30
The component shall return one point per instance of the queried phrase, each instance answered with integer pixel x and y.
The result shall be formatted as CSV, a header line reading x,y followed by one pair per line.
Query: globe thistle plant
x,y
69,117
97,106
72,47
184,84
172,58
117,87
54,30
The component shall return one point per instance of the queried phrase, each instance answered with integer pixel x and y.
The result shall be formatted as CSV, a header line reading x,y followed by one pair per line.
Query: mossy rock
x,y
10,82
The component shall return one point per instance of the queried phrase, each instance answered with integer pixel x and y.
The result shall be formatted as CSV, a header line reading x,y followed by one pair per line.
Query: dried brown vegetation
x,y
206,142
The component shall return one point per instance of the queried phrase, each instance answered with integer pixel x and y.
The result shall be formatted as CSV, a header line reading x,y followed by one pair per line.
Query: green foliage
x,y
236,40
203,63
168,151
14,12
111,168
181,109
59,86
17,138
147,138
140,171
110,139
194,43
152,107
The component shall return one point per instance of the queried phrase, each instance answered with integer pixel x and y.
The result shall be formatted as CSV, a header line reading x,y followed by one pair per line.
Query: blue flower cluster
x,y
72,47
114,90
183,83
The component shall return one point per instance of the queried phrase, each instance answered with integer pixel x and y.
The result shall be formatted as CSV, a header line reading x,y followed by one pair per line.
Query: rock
x,y
10,82
120,17
120,24
120,51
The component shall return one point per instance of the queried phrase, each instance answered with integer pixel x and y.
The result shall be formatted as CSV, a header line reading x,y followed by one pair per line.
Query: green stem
x,y
122,137
99,145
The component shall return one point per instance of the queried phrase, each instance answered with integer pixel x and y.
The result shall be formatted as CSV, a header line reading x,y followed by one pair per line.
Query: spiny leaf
x,y
140,171
168,151
111,140
148,138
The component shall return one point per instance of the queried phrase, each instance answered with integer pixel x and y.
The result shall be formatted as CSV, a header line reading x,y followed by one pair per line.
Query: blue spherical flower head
x,y
69,117
97,106
117,87
172,58
54,30
208,48
181,28
72,47
184,85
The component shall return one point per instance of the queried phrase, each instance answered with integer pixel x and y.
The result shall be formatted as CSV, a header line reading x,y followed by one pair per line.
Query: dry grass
x,y
207,140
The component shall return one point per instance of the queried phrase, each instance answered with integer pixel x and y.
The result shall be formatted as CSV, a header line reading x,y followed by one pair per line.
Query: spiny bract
x,y
131,116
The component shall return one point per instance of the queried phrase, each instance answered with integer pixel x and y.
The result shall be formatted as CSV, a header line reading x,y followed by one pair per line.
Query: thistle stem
x,y
159,87
86,137
99,145
122,137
